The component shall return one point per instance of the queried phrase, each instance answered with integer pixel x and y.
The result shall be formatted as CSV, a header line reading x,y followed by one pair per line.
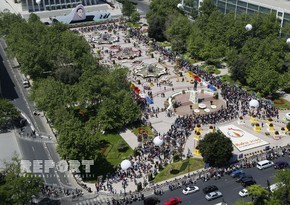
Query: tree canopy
x,y
17,187
81,98
258,58
216,149
8,113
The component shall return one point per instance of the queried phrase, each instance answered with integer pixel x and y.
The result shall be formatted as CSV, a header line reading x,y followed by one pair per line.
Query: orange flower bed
x,y
280,102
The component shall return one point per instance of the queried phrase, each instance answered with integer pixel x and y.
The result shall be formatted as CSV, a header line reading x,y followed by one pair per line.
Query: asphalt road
x,y
12,89
226,185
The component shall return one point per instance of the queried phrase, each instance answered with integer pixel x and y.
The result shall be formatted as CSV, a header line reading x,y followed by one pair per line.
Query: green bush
x,y
176,157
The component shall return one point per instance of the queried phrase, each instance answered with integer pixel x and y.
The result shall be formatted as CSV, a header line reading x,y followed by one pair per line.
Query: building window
x,y
249,11
241,3
221,6
280,14
231,8
287,16
253,7
286,22
241,9
265,10
232,1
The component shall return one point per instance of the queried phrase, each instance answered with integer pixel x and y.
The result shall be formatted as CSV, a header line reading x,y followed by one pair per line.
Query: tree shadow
x,y
184,166
101,168
174,171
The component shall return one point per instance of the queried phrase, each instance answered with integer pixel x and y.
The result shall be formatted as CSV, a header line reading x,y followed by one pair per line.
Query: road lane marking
x,y
33,149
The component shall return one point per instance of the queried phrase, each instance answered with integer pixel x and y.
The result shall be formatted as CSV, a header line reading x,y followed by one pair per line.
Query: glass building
x,y
280,7
49,5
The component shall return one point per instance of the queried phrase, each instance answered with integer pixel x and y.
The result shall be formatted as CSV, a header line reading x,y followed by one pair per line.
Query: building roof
x,y
281,5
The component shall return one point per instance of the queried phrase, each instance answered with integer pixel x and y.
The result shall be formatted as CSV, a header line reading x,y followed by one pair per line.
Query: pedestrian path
x,y
130,138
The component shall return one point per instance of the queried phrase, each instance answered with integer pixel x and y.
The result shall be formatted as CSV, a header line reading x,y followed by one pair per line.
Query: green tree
x,y
207,7
216,149
282,194
237,66
259,194
16,187
8,113
157,15
128,8
177,31
135,16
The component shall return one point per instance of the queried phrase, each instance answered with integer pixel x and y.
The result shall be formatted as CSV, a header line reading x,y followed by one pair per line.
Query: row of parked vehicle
x,y
211,192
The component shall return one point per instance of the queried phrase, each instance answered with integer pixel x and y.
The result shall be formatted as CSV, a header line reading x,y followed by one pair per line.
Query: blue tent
x,y
211,87
149,101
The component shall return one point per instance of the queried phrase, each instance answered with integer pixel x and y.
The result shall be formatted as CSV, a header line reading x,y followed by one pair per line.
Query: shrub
x,y
176,157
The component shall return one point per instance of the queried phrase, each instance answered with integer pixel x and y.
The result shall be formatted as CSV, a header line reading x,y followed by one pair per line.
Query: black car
x,y
151,201
209,189
281,165
243,177
248,182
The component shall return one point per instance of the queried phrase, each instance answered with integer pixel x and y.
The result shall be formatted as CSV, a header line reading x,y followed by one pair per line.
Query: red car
x,y
173,201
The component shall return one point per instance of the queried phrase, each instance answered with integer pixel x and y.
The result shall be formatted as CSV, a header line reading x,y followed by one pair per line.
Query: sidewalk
x,y
130,138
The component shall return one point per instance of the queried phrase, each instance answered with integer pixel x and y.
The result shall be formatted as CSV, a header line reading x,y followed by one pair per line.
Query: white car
x,y
189,190
244,193
213,195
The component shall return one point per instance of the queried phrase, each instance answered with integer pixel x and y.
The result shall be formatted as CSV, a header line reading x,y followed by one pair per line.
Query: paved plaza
x,y
171,83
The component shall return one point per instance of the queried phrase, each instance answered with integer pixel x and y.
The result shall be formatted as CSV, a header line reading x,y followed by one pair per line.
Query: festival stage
x,y
241,139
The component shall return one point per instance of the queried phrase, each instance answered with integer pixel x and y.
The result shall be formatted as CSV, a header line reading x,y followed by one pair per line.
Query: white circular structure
x,y
158,141
180,6
287,115
206,110
254,103
249,27
288,41
202,105
38,1
125,164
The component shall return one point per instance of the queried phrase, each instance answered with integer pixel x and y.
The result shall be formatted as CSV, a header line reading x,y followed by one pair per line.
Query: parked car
x,y
237,173
243,176
151,201
213,195
281,165
244,193
210,188
276,186
264,164
248,182
173,201
190,189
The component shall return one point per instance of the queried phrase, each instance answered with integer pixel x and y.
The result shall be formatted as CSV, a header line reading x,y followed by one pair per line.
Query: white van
x,y
274,187
264,164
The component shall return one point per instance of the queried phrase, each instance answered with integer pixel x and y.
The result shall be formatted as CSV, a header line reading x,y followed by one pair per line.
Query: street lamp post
x,y
125,165
181,5
38,3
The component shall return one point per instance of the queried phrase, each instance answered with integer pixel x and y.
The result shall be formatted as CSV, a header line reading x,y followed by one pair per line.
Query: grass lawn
x,y
179,168
146,128
111,153
165,44
282,104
